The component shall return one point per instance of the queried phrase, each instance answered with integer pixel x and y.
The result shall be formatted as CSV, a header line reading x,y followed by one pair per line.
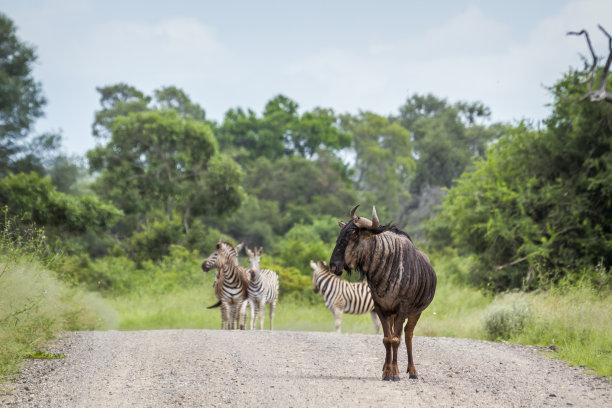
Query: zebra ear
x,y
260,252
248,251
239,247
312,264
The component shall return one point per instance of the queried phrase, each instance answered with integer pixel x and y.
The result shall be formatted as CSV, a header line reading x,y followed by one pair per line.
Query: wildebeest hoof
x,y
414,377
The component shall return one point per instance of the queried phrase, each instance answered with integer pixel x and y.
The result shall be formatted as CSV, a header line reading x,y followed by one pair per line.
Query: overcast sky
x,y
345,55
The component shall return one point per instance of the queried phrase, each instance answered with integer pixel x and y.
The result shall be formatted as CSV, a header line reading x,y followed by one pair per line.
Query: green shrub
x,y
503,322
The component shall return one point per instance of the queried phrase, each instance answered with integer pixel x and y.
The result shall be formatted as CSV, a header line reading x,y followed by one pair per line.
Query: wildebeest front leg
x,y
386,376
412,321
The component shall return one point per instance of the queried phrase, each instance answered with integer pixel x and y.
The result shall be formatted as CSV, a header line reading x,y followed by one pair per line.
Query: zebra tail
x,y
215,305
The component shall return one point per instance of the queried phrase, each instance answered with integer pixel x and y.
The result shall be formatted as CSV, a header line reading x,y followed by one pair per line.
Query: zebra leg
x,y
408,331
262,314
234,316
243,315
337,313
272,307
375,321
252,307
224,316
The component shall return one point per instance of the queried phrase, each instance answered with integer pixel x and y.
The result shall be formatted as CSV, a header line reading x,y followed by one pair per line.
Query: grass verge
x,y
35,306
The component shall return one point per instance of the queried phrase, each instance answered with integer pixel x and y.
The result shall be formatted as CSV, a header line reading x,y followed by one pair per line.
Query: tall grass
x,y
35,306
575,322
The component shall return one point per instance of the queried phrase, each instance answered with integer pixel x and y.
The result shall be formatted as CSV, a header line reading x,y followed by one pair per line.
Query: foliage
x,y
539,208
281,131
21,95
506,321
446,137
383,162
306,242
301,188
158,160
34,200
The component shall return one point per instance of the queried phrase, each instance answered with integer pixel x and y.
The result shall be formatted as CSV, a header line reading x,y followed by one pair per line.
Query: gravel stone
x,y
212,368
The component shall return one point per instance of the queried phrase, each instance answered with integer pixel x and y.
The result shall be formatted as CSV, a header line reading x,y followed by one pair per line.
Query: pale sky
x,y
345,55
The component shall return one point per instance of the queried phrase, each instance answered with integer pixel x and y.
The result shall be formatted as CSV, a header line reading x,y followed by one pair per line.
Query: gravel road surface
x,y
210,368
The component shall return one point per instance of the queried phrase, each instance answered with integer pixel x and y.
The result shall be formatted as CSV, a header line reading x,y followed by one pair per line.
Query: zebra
x,y
342,296
230,285
401,279
263,289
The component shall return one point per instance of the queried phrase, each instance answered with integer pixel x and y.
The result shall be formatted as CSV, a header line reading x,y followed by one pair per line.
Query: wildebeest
x,y
401,279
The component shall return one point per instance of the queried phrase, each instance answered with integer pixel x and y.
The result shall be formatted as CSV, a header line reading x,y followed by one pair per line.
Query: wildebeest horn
x,y
375,222
365,223
352,214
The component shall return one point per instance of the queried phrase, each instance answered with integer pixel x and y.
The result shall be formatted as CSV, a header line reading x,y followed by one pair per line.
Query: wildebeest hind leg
x,y
408,332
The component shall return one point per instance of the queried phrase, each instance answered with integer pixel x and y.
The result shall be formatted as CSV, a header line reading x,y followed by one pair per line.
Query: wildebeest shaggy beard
x,y
401,278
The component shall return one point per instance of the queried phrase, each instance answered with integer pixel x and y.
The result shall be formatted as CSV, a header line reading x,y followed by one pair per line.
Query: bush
x,y
506,321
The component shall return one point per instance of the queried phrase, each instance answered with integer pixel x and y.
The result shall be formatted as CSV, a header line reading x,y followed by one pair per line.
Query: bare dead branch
x,y
600,94
594,65
606,69
500,267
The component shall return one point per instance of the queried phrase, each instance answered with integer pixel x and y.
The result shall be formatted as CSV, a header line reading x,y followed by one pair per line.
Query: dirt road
x,y
294,369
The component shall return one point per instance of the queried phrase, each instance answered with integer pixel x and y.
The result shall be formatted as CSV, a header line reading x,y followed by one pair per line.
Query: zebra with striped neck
x,y
341,296
262,290
231,284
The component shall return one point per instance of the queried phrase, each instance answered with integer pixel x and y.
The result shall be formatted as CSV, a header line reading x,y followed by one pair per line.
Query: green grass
x,y
35,306
185,308
577,322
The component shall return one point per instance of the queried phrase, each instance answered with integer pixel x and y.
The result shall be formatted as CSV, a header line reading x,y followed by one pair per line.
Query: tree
x,y
21,99
173,98
35,200
384,165
447,138
117,100
301,188
159,160
539,207
601,93
281,132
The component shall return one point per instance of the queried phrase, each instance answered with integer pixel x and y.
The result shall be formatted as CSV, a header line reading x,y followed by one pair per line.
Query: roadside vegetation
x,y
515,218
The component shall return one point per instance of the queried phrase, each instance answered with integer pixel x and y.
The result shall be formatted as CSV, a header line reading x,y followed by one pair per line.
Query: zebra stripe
x,y
341,296
262,289
231,284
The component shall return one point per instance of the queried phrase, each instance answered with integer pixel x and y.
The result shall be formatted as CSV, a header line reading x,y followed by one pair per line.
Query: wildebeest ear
x,y
341,224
